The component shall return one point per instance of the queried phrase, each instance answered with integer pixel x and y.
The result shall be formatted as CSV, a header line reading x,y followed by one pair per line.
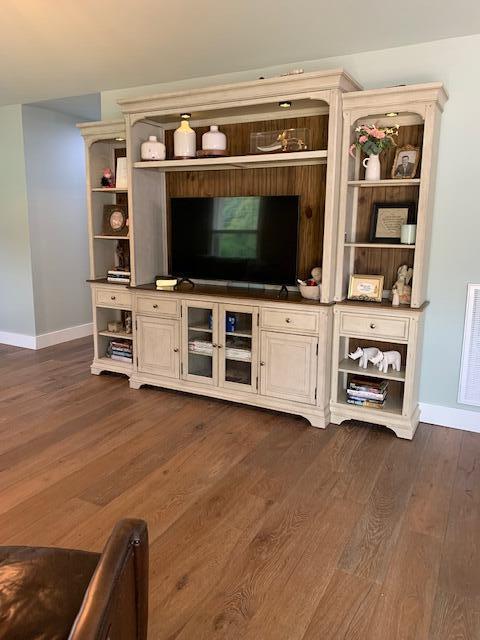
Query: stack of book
x,y
121,350
367,392
122,276
165,283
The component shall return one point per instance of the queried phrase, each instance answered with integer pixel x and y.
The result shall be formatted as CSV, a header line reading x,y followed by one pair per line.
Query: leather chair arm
x,y
119,586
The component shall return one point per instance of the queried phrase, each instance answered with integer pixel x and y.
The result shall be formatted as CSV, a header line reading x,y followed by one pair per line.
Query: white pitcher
x,y
372,166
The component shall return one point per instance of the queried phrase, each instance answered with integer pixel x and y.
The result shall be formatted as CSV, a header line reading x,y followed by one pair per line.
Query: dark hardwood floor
x,y
261,528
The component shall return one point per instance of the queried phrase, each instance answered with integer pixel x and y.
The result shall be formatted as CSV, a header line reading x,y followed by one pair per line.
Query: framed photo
x,y
367,288
406,162
115,220
387,220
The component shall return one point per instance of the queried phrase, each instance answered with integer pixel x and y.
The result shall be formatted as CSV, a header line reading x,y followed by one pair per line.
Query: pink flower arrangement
x,y
372,140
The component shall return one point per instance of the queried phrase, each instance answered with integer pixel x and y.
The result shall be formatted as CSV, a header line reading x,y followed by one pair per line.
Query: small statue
x,y
366,355
107,178
128,323
317,274
384,358
401,290
123,255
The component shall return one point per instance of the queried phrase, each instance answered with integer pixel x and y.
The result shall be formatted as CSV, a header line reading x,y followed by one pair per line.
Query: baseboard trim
x,y
451,417
64,335
17,340
46,339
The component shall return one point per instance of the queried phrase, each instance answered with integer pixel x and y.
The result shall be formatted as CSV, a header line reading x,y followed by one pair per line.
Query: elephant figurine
x,y
385,358
366,355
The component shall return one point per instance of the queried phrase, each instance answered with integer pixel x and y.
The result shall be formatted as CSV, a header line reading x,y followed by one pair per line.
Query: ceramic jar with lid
x,y
152,149
214,140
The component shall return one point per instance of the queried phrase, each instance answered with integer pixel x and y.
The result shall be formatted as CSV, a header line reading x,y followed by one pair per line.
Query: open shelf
x,y
109,190
115,365
238,162
351,366
384,183
118,334
102,237
393,405
379,245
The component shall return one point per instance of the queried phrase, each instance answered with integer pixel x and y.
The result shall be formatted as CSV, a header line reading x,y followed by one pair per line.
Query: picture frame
x,y
367,288
406,162
115,220
387,220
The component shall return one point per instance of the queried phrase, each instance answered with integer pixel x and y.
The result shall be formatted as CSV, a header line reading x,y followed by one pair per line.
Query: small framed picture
x,y
387,220
406,162
115,220
367,288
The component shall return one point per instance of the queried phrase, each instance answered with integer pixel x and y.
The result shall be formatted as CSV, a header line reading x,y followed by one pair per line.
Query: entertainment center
x,y
245,343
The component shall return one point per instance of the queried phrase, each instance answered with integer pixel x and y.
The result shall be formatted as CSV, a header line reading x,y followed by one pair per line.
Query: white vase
x,y
372,166
184,141
152,149
214,140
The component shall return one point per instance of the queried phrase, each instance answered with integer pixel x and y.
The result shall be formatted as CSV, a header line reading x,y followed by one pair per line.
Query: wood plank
x,y
368,552
260,526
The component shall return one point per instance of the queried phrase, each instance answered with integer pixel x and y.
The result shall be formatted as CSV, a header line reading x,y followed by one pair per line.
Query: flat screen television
x,y
243,239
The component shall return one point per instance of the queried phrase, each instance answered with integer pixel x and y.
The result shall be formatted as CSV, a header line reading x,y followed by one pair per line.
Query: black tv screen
x,y
244,239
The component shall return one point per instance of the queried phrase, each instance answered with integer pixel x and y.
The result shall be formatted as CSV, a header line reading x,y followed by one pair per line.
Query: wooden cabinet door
x,y
158,346
200,342
238,347
288,366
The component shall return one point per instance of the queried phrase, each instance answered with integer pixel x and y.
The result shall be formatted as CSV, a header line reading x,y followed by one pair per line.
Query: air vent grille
x,y
469,388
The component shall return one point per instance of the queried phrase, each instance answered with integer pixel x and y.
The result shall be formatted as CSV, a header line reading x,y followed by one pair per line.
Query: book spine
x,y
368,395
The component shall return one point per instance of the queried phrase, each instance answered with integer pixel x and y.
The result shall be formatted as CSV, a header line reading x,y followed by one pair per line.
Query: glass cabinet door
x,y
200,342
237,347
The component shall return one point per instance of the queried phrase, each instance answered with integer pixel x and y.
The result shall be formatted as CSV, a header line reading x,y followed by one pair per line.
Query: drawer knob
x,y
176,349
262,364
113,297
373,325
287,320
155,306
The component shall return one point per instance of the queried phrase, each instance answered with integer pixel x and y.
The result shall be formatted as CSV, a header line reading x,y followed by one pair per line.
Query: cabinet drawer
x,y
374,326
295,321
113,298
157,306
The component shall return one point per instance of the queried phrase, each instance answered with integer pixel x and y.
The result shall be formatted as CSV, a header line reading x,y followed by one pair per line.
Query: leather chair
x,y
62,594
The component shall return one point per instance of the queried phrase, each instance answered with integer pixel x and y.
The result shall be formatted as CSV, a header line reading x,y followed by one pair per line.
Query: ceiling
x,y
56,48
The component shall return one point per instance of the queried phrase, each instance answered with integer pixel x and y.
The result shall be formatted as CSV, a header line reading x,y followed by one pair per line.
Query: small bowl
x,y
311,293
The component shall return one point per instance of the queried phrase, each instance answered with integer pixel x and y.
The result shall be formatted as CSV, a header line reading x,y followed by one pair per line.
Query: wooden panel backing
x,y
238,134
308,182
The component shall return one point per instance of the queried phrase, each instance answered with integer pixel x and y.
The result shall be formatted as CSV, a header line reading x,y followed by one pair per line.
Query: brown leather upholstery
x,y
61,594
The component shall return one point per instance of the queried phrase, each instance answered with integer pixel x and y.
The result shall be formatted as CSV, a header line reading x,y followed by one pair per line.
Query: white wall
x,y
16,288
55,177
456,232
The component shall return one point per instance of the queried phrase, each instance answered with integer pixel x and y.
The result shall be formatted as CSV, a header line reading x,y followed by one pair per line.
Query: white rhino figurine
x,y
384,358
366,355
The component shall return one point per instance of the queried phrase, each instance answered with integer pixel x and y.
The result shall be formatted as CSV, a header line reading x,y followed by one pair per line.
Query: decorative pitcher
x,y
372,166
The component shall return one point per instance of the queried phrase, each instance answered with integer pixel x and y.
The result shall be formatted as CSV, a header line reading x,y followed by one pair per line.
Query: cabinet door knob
x,y
287,320
219,346
214,345
262,364
372,325
155,306
176,349
113,297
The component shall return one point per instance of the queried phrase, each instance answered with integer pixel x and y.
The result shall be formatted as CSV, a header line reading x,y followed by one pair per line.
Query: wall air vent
x,y
469,387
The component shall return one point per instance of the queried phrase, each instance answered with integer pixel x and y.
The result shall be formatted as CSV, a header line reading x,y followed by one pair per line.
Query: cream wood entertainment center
x,y
285,354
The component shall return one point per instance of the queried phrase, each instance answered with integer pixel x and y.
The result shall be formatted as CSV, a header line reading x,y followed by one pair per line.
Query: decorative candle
x,y
408,233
